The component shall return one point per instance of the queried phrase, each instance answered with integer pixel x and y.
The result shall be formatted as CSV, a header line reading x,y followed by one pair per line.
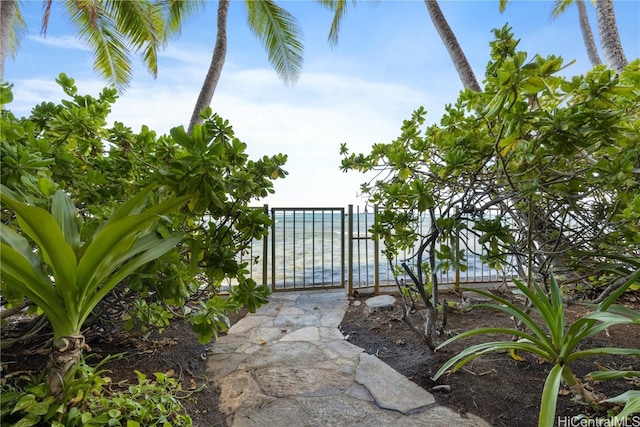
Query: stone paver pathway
x,y
289,365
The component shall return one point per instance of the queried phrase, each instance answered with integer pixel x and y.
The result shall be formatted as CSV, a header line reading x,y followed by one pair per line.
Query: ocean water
x,y
310,248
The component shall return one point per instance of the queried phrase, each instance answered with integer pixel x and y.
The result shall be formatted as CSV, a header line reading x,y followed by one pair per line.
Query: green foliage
x,y
76,276
541,169
550,339
90,399
80,275
68,146
631,401
249,294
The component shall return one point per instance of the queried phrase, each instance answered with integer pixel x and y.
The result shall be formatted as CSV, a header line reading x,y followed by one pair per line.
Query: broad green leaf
x,y
28,421
109,244
512,310
631,399
603,350
9,236
616,294
17,271
27,401
549,399
474,351
66,214
507,331
43,229
6,96
181,137
155,250
613,375
134,205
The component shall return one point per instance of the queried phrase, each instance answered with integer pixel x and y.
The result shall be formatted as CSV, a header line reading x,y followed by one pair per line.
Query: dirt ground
x,y
495,387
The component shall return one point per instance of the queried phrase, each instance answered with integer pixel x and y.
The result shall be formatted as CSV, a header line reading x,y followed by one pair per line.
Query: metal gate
x,y
326,248
307,248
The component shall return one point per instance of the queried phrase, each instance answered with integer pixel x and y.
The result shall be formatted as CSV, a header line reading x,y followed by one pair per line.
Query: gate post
x,y
265,250
350,257
273,250
376,256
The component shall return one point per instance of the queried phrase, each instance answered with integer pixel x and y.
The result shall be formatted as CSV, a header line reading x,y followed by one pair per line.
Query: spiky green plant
x,y
67,278
552,340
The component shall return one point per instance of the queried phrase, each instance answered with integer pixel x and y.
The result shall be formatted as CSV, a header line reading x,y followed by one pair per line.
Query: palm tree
x,y
607,29
112,29
275,27
585,28
609,37
450,41
465,72
215,68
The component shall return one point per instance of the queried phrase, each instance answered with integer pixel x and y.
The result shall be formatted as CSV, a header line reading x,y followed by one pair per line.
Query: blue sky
x,y
389,61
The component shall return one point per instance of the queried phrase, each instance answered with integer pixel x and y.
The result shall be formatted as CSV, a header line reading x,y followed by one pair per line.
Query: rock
x,y
379,303
390,389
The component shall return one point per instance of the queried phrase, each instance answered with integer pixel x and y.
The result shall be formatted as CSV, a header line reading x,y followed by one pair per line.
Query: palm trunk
x,y
587,34
65,354
609,37
7,16
215,68
450,41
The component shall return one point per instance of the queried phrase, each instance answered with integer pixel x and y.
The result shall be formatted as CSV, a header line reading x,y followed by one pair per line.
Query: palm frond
x,y
559,6
142,25
177,12
17,28
280,35
99,32
339,7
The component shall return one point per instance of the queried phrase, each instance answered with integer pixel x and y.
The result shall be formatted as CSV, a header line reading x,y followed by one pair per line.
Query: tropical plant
x,y
69,146
539,168
465,72
583,18
67,278
12,26
630,398
551,340
112,29
511,161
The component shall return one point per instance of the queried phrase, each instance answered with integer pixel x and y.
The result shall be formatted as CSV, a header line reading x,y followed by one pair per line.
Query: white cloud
x,y
64,42
308,121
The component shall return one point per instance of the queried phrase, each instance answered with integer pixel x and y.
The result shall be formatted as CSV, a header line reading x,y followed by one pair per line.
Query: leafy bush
x,y
90,401
69,147
539,168
92,212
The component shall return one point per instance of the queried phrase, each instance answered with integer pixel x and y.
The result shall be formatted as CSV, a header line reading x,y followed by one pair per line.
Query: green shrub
x,y
90,401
